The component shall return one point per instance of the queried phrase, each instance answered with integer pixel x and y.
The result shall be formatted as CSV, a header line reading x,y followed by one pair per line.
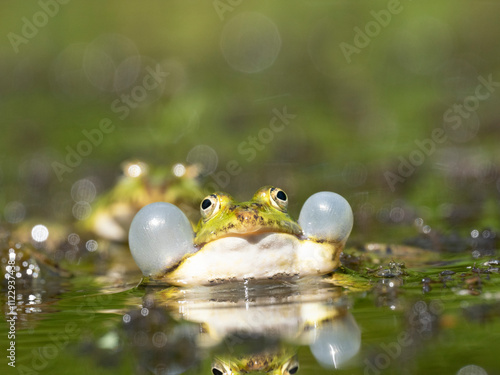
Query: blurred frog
x,y
277,362
141,185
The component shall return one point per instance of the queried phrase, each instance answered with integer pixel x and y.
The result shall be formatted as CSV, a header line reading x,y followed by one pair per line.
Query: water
x,y
350,323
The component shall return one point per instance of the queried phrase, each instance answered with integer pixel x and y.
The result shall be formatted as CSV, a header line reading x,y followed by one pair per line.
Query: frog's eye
x,y
209,206
291,367
220,368
279,199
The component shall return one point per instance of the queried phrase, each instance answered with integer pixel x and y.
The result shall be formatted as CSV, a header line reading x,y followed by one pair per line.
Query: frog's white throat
x,y
260,256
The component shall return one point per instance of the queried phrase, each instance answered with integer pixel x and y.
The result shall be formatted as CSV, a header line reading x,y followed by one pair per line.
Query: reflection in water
x,y
243,328
31,281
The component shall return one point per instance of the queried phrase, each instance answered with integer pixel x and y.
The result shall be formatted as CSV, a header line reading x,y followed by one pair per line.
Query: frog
x,y
141,184
279,362
241,241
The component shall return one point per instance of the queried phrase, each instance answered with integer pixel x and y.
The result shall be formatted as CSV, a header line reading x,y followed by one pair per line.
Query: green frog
x,y
273,362
241,241
142,184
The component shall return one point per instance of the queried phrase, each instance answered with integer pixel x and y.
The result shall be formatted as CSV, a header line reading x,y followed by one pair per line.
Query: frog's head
x,y
253,239
266,212
274,363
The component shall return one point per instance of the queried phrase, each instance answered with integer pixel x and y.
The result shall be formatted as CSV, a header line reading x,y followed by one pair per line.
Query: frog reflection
x,y
244,329
281,361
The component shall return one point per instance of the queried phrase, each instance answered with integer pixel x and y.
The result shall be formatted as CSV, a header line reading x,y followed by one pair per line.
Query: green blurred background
x,y
229,67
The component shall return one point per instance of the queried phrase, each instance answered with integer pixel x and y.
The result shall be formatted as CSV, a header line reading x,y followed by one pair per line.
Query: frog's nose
x,y
248,217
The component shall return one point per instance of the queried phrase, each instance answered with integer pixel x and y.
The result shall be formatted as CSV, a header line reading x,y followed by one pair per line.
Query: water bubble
x,y
126,318
81,210
205,157
91,245
326,215
39,233
474,233
419,221
250,42
14,212
144,311
83,191
426,229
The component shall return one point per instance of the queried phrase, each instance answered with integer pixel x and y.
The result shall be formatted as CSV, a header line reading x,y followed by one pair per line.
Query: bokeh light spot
x,y
179,170
472,370
40,233
205,157
81,210
14,212
250,42
91,245
83,190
